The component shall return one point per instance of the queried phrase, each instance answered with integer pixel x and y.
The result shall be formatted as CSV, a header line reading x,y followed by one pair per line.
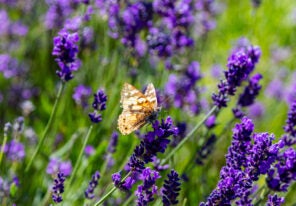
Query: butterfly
x,y
138,108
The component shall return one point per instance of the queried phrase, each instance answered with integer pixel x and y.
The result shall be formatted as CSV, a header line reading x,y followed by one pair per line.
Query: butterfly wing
x,y
151,95
137,107
129,122
133,100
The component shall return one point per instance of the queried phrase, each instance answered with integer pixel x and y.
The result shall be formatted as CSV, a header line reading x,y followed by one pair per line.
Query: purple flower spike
x,y
58,188
99,104
240,64
171,189
274,200
65,49
89,192
81,95
147,189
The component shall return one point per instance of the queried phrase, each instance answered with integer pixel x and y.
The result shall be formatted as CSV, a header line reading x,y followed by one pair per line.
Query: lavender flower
x,y
154,142
247,98
283,173
111,149
256,110
81,95
290,126
55,165
58,12
182,89
14,150
66,49
147,189
89,150
248,157
171,189
89,192
99,104
58,188
240,64
274,200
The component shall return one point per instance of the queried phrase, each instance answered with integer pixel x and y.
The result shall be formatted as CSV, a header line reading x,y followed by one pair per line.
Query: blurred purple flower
x,y
206,149
183,90
55,165
9,66
89,150
89,192
210,122
58,12
66,50
81,95
275,89
256,110
14,150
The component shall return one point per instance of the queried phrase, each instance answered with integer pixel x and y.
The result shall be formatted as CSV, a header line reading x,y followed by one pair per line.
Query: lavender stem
x,y
48,125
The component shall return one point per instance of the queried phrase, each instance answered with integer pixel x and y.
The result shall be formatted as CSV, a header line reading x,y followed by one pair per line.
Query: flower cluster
x,y
81,95
147,189
58,12
154,141
240,64
248,157
171,189
247,98
182,89
65,49
55,165
99,104
274,200
9,28
89,192
58,188
14,150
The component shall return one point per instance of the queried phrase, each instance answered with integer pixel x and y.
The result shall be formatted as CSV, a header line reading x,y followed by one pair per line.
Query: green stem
x,y
48,125
173,152
111,191
3,146
80,154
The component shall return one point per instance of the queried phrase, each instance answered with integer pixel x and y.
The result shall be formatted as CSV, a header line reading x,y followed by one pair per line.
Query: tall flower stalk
x,y
48,126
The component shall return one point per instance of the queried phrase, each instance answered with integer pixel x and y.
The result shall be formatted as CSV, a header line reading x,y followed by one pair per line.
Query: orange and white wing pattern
x,y
137,107
151,95
129,122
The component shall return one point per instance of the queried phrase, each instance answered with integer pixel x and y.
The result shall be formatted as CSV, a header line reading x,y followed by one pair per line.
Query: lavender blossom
x,y
248,157
171,189
99,104
154,142
147,189
81,95
89,150
247,98
281,176
89,192
66,50
183,89
240,64
55,165
290,126
58,188
14,150
274,200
